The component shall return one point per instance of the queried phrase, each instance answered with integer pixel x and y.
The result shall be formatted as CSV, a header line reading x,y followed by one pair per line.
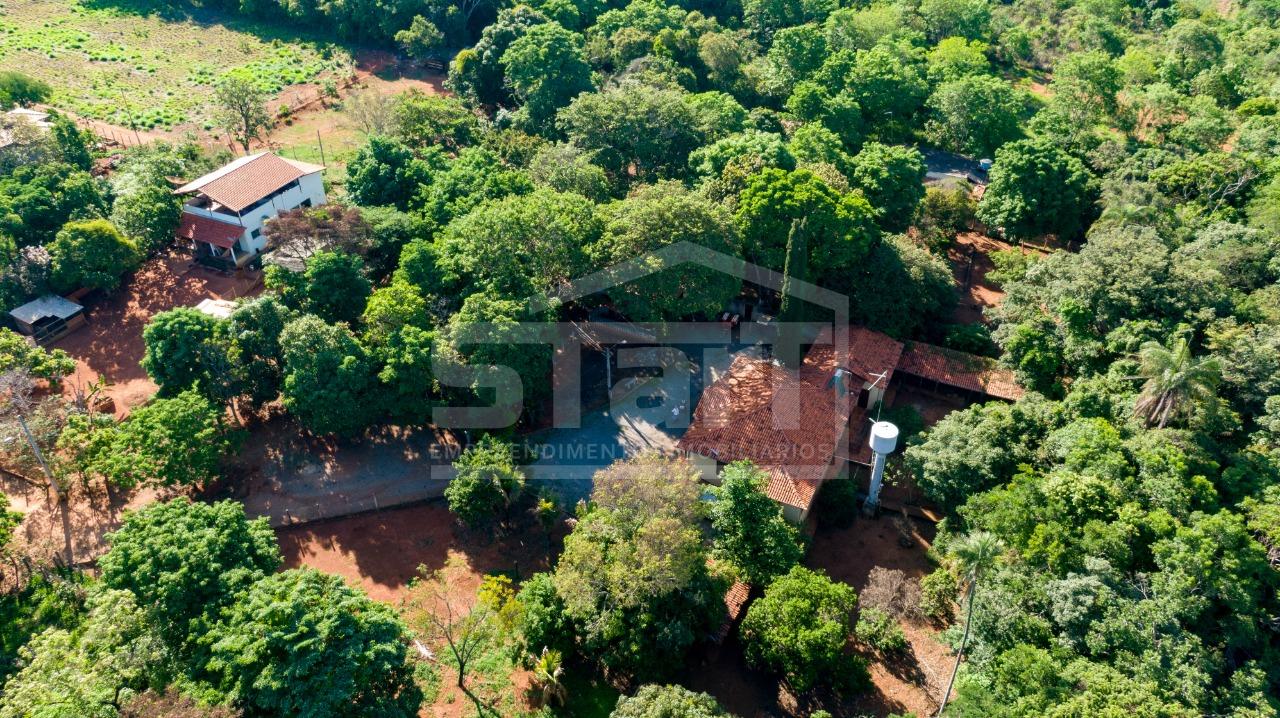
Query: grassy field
x,y
116,61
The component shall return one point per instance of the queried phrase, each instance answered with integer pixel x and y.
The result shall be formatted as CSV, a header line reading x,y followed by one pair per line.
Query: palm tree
x,y
974,555
1173,380
547,671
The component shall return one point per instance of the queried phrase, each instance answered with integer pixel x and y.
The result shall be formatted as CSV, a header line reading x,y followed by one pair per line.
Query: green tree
x,y
969,19
799,628
41,198
1036,188
1174,380
710,161
305,643
188,561
20,89
519,245
16,353
892,179
975,114
423,120
543,623
973,450
241,109
421,39
485,483
659,216
178,441
253,331
183,347
672,701
89,672
750,531
91,254
841,228
328,377
888,86
474,177
386,172
974,555
333,286
566,168
640,133
545,69
633,575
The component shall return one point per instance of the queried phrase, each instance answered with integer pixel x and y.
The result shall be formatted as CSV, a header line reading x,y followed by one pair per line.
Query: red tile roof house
x,y
796,425
223,217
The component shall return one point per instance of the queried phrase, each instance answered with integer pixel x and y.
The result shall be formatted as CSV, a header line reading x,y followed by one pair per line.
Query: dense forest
x,y
1127,508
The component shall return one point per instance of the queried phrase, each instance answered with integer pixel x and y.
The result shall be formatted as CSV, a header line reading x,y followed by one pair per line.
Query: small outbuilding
x,y
216,308
47,318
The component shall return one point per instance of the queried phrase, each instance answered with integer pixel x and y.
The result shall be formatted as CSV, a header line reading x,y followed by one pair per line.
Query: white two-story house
x,y
224,214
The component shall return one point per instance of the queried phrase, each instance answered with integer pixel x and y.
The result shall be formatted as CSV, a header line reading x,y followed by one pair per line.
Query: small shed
x,y
48,318
216,308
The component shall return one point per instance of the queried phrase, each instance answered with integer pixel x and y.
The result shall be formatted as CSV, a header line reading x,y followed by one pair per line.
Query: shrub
x,y
880,631
838,502
938,593
891,592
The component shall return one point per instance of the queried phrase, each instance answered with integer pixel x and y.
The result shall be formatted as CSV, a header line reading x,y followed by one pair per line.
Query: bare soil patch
x,y
381,551
109,346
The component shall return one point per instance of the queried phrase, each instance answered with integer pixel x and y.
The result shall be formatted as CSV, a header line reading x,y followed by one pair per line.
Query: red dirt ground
x,y
110,345
979,293
381,551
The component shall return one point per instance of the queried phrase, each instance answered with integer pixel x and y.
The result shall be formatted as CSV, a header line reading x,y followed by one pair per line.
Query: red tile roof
x,y
202,229
870,354
248,179
960,370
790,424
735,602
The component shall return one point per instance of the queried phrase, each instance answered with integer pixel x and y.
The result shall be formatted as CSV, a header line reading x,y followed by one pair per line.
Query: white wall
x,y
309,187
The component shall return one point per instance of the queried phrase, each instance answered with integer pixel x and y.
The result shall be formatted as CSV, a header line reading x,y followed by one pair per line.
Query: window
x,y
306,202
255,233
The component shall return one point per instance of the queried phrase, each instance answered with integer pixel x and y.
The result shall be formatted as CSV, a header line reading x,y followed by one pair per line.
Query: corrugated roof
x,y
50,305
248,179
202,229
958,369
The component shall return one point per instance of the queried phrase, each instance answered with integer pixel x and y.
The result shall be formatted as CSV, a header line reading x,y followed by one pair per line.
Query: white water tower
x,y
884,439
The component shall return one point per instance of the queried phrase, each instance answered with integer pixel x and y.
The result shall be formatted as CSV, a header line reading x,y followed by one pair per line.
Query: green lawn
x,y
118,62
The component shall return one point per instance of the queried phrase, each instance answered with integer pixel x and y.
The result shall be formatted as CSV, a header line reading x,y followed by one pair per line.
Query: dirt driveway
x,y
110,346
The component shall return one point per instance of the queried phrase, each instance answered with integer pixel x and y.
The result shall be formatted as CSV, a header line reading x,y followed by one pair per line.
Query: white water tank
x,y
884,437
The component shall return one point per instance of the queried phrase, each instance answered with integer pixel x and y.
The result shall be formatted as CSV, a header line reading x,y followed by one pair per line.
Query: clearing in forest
x,y
145,66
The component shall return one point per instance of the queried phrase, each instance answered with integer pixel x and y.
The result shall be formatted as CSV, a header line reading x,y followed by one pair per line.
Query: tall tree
x,y
1037,188
974,555
241,109
329,381
799,628
305,643
1174,380
187,561
486,482
751,533
91,254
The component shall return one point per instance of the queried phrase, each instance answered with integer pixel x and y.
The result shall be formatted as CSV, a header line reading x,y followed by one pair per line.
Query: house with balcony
x,y
226,210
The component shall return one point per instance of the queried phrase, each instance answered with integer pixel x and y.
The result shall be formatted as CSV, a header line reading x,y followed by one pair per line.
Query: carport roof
x,y
50,305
